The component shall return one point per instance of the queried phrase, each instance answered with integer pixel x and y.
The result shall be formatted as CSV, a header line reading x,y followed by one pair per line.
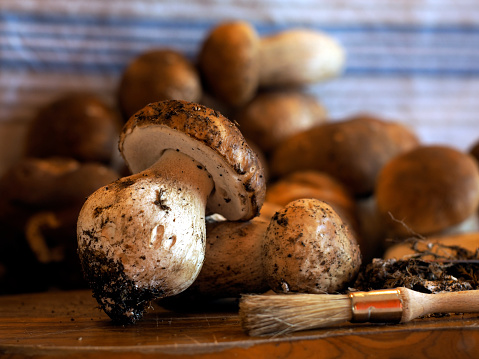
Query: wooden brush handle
x,y
416,304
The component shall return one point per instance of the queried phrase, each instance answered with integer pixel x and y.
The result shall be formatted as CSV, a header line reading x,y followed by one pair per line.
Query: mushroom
x,y
299,57
352,150
305,247
309,248
272,116
36,184
40,199
143,236
474,150
233,261
427,190
235,61
314,184
81,126
157,75
228,61
444,246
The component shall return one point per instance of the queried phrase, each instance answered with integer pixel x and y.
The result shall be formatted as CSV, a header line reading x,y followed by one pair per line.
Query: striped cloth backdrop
x,y
410,61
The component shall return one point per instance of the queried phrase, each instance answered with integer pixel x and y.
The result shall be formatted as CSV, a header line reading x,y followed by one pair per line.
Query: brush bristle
x,y
267,315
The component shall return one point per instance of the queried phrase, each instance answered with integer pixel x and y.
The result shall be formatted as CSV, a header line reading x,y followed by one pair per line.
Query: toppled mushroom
x,y
157,75
143,237
81,126
427,190
352,150
235,61
305,247
233,261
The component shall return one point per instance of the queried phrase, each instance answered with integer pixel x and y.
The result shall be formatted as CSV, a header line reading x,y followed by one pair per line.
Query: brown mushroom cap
x,y
353,150
78,125
314,184
207,137
157,75
55,182
271,117
35,185
427,190
474,150
229,63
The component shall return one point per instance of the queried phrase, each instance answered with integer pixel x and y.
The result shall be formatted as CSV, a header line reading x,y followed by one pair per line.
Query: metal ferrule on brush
x,y
383,305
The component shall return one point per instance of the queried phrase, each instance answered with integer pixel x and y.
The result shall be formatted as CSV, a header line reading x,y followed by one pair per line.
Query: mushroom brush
x,y
263,315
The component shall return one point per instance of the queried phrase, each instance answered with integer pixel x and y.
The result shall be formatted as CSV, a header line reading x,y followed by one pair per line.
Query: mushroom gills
x,y
227,180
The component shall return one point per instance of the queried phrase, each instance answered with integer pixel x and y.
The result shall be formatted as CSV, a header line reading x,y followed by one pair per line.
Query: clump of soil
x,y
425,271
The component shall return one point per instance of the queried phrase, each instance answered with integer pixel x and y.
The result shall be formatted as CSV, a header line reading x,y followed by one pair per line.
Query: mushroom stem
x,y
143,236
297,57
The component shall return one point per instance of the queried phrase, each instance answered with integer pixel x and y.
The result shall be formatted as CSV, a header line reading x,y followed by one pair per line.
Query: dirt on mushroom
x,y
149,237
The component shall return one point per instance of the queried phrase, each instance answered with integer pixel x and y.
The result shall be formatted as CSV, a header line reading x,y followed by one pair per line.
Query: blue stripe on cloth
x,y
62,67
121,38
103,20
118,67
263,28
404,72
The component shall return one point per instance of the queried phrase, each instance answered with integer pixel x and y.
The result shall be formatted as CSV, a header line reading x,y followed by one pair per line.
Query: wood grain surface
x,y
70,325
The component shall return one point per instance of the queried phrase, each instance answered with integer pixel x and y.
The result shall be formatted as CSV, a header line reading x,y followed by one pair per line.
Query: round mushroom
x,y
143,237
273,116
157,75
81,126
427,190
235,61
308,248
314,184
228,61
352,150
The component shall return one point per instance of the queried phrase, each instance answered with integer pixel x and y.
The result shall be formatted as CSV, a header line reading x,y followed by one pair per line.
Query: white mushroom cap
x,y
209,138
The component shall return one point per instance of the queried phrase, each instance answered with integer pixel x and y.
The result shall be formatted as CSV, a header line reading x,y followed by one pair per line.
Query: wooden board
x,y
69,324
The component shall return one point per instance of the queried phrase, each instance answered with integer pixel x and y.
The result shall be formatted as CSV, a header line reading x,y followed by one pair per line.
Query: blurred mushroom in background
x,y
39,204
79,125
157,75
